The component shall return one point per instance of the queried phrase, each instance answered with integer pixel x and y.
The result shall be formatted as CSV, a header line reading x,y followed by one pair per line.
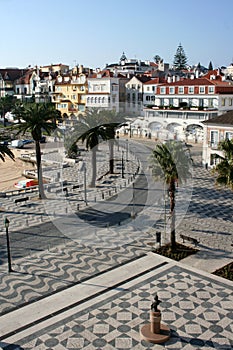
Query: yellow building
x,y
69,94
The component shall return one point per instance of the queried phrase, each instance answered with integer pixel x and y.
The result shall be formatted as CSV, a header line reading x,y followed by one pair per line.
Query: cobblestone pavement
x,y
196,305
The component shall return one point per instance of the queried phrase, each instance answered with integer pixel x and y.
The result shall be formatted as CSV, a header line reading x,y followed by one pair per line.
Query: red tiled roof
x,y
223,119
153,81
188,82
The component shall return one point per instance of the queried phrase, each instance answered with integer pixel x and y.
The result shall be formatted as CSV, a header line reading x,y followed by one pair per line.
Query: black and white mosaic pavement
x,y
198,310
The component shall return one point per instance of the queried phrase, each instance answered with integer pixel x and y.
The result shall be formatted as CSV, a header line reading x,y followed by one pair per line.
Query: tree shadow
x,y
7,346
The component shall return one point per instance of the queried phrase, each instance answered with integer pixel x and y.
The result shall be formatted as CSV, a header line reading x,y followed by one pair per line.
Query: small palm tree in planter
x,y
224,169
171,162
37,118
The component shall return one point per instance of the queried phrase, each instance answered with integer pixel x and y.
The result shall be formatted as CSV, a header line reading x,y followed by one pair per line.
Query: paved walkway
x,y
76,295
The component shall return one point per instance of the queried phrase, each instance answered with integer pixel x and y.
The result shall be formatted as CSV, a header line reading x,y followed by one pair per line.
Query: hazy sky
x,y
96,32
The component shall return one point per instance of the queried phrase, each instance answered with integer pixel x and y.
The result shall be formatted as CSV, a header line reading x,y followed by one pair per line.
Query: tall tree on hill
x,y
210,66
180,58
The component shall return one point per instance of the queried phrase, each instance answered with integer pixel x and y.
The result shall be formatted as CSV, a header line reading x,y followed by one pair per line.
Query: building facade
x,y
215,131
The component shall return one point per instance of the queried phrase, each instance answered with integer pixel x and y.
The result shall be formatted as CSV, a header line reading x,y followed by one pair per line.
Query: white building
x,y
106,90
215,131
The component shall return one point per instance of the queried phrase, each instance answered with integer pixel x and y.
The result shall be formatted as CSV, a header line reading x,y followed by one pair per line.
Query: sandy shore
x,y
11,171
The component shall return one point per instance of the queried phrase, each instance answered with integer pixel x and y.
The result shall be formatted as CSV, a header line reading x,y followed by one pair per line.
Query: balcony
x,y
213,145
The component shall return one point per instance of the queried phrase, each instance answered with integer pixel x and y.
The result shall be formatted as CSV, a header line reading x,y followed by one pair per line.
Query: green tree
x,y
87,129
92,138
113,121
171,162
37,118
6,105
224,169
210,66
5,152
180,58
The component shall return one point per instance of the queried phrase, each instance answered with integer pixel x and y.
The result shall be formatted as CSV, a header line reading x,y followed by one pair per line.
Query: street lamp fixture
x,y
7,224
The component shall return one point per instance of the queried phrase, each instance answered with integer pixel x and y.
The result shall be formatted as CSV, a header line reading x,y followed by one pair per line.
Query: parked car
x,y
17,144
26,142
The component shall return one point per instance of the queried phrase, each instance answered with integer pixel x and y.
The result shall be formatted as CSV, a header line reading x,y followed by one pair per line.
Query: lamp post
x,y
122,165
7,223
127,150
84,169
85,184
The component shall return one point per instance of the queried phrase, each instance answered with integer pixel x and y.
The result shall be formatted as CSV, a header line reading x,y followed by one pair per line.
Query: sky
x,y
96,32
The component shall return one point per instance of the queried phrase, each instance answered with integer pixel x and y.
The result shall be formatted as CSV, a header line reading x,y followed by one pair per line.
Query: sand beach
x,y
11,171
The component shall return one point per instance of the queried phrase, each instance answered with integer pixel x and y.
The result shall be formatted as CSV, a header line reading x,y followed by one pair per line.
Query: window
x,y
171,90
228,135
180,90
214,138
191,89
163,90
223,101
230,101
152,98
201,89
153,88
211,89
114,87
147,98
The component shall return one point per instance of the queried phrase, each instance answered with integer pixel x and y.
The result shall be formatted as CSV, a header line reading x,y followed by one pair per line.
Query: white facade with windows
x,y
215,131
106,92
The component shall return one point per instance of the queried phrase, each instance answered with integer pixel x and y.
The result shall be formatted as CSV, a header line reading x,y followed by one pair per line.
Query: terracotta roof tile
x,y
223,119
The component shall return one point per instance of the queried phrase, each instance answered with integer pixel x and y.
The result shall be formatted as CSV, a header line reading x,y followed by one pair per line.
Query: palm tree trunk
x,y
93,161
111,156
39,171
172,190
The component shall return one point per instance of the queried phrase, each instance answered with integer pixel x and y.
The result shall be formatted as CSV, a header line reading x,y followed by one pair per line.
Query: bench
x,y
190,239
23,199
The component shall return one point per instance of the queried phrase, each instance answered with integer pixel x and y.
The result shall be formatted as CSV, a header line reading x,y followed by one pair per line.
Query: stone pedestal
x,y
155,332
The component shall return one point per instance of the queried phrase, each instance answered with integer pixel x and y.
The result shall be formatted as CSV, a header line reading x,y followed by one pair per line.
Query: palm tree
x,y
5,152
224,168
171,162
110,129
92,137
113,121
37,117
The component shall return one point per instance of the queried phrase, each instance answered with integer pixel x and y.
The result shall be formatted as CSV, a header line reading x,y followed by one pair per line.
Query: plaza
x,y
96,293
